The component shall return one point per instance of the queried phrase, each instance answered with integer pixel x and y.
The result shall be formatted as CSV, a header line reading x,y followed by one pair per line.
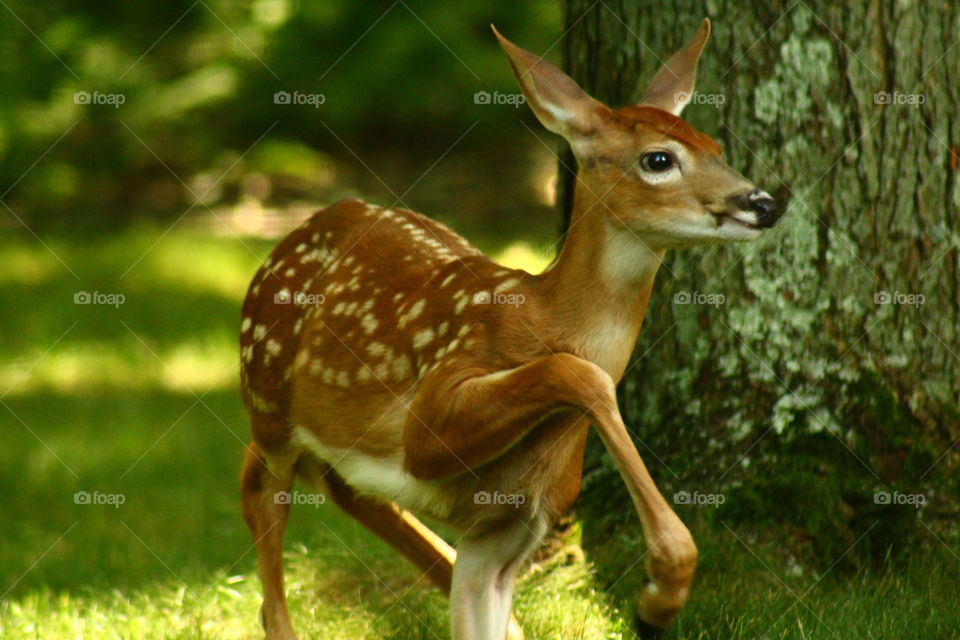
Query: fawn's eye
x,y
656,161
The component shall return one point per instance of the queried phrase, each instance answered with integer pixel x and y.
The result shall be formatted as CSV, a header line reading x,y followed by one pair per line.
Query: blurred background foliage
x,y
199,128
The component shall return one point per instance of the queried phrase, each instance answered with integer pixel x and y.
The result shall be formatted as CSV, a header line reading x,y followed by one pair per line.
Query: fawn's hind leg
x,y
262,479
405,533
398,528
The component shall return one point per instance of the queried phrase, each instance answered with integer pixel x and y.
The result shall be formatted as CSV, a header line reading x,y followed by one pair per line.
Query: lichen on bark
x,y
842,322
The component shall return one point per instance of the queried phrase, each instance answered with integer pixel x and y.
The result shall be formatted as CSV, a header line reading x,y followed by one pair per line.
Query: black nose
x,y
765,208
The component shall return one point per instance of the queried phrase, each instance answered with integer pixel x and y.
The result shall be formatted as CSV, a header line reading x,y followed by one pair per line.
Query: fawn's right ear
x,y
558,102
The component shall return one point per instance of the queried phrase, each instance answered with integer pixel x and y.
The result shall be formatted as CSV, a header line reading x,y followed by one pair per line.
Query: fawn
x,y
379,363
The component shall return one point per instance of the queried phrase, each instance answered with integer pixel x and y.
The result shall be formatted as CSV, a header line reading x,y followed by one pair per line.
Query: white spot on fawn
x,y
422,338
506,284
301,359
402,369
412,314
369,324
377,349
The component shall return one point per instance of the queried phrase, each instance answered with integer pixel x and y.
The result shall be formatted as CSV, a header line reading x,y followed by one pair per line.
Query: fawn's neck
x,y
598,289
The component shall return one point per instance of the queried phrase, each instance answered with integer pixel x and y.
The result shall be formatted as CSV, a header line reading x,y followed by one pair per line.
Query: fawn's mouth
x,y
721,218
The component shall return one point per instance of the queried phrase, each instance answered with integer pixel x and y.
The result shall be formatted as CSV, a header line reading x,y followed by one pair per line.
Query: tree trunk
x,y
828,366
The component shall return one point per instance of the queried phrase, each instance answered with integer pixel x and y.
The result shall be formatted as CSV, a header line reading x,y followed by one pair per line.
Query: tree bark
x,y
835,350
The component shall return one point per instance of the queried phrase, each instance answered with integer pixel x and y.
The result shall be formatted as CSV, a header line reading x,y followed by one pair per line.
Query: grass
x,y
140,401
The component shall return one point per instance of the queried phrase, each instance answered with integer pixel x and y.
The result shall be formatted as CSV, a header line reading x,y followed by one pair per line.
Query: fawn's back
x,y
345,318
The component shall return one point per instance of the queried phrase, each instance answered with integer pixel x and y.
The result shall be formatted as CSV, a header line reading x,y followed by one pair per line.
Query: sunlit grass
x,y
520,255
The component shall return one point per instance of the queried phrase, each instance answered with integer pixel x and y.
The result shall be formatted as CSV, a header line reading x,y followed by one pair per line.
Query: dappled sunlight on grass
x,y
222,266
26,265
521,255
195,366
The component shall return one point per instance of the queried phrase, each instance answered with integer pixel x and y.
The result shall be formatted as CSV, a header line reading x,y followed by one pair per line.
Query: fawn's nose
x,y
765,207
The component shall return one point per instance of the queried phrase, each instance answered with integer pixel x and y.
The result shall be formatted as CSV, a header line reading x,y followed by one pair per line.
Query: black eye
x,y
656,161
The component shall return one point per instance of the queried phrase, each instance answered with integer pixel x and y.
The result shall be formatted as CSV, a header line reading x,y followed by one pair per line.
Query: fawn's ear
x,y
557,101
672,86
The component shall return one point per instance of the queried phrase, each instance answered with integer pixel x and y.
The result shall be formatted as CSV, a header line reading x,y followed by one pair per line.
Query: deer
x,y
387,361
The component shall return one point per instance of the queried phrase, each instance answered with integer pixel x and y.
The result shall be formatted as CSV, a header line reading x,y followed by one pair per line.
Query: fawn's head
x,y
642,167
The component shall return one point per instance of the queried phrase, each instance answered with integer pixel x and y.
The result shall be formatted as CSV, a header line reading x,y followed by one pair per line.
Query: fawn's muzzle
x,y
763,205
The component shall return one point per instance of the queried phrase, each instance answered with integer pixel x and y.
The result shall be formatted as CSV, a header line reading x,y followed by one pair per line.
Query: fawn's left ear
x,y
557,101
672,86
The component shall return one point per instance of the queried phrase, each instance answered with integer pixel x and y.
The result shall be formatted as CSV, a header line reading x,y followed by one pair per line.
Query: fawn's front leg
x,y
483,580
463,423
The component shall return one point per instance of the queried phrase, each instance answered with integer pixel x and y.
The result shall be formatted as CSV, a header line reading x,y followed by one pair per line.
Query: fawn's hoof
x,y
647,631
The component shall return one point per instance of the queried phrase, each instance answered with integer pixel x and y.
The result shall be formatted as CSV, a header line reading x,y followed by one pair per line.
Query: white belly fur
x,y
381,477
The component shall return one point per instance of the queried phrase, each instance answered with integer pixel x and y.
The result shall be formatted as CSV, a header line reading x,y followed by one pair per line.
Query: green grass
x,y
141,400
